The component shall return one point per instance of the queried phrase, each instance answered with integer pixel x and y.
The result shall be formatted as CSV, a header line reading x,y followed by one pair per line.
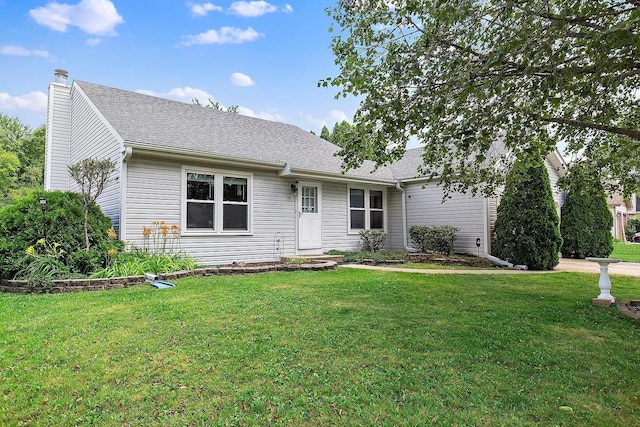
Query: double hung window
x,y
217,202
366,209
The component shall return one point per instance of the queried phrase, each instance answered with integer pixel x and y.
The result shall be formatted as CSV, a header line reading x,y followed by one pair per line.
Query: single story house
x,y
242,188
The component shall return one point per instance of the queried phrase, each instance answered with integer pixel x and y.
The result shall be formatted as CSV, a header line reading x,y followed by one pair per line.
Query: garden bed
x,y
630,308
87,284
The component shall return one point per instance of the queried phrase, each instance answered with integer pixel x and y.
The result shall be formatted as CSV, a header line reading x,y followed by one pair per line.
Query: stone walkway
x,y
565,265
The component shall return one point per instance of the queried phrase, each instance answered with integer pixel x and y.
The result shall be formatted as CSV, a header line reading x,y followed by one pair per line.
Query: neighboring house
x,y
242,188
622,210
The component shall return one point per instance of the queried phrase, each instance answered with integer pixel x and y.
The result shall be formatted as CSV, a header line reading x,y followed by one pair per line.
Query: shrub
x,y
136,262
633,227
21,227
586,219
434,239
372,240
527,224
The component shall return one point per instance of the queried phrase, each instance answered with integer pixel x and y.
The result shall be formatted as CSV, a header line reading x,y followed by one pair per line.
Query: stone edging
x,y
623,306
79,285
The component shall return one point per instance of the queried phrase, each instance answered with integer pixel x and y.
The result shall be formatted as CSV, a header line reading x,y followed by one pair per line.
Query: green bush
x,y
586,219
372,240
21,226
434,239
136,262
633,227
527,224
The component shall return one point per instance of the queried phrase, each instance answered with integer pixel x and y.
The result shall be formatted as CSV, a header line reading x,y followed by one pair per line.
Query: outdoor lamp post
x,y
43,207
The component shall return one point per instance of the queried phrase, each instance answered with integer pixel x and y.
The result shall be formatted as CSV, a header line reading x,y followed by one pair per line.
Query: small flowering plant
x,y
161,237
44,249
44,262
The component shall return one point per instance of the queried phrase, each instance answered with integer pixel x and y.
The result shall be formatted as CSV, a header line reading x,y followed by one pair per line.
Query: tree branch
x,y
631,133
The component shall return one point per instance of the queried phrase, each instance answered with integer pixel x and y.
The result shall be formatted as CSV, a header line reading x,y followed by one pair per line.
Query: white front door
x,y
309,216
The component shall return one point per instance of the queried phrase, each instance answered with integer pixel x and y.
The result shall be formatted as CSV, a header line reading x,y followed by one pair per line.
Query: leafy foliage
x,y
460,76
21,158
92,176
434,239
216,106
136,262
527,224
586,219
340,135
633,227
21,226
372,240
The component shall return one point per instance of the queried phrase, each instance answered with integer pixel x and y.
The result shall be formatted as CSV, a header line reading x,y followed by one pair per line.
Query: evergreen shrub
x,y
527,224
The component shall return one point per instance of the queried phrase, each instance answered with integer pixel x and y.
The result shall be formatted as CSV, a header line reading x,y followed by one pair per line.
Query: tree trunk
x,y
86,228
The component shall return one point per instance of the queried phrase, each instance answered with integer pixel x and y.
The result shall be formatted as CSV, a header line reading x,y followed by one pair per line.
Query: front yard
x,y
345,347
626,251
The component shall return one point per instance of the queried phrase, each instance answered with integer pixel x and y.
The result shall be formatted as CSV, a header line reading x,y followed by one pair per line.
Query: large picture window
x,y
217,202
366,209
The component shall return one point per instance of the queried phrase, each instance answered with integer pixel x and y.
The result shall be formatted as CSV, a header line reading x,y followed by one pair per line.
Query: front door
x,y
309,216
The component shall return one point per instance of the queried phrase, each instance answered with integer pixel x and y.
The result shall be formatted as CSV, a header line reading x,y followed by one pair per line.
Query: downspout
x,y
404,220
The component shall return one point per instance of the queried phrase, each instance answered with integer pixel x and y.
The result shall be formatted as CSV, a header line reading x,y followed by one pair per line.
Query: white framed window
x,y
216,202
366,209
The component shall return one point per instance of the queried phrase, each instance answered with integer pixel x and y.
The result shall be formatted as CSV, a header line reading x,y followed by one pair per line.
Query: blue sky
x,y
265,56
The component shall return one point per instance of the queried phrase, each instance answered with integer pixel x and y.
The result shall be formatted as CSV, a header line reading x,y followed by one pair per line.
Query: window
x,y
366,209
309,199
200,201
216,202
235,214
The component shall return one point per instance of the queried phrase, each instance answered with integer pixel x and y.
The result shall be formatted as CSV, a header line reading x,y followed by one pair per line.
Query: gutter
x,y
404,220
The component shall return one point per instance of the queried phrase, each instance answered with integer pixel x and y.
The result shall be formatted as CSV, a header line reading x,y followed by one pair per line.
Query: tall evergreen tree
x,y
527,228
586,219
325,133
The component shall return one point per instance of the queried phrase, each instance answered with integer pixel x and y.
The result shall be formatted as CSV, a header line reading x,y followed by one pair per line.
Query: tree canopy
x,y
339,135
462,76
21,158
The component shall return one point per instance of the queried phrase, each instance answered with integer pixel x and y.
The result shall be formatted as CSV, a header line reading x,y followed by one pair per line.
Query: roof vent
x,y
61,75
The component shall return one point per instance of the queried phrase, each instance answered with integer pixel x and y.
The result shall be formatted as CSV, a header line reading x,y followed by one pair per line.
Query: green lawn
x,y
345,347
626,252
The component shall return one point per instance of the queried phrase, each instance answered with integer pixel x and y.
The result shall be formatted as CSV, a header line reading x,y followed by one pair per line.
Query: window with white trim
x,y
366,209
216,202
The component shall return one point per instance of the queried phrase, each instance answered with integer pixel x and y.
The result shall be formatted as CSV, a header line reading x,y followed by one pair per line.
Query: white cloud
x,y
93,41
182,94
98,17
187,94
274,117
251,9
225,35
339,116
287,8
239,79
33,101
202,9
21,51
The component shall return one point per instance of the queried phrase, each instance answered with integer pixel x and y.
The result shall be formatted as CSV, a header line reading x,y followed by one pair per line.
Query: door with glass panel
x,y
309,216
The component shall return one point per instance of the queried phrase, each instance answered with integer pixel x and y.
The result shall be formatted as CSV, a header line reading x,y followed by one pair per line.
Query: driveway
x,y
565,265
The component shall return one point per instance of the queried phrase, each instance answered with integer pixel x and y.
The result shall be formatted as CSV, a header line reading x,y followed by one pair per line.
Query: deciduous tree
x,y
460,75
92,176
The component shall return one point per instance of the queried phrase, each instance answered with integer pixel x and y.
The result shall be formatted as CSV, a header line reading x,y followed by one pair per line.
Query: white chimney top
x,y
61,75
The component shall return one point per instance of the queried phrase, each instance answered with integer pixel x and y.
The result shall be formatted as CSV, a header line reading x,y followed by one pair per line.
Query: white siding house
x,y
241,189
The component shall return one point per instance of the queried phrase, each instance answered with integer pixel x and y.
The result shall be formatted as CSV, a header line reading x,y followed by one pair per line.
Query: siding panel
x,y
154,194
425,207
91,137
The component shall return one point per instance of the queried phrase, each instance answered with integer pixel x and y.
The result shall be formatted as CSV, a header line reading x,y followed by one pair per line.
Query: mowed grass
x,y
626,251
345,347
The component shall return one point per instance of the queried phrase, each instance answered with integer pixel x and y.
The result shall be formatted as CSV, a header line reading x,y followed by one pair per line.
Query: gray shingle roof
x,y
157,123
